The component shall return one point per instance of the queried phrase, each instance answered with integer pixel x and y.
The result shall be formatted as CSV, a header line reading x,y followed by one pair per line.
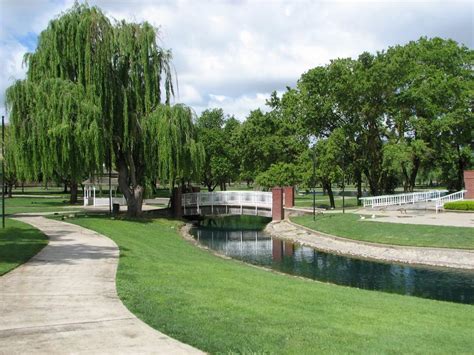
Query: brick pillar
x,y
176,202
469,184
289,192
277,250
277,204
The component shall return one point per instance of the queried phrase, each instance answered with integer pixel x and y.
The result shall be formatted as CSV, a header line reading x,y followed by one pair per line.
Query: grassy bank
x,y
38,204
351,226
18,243
323,201
223,306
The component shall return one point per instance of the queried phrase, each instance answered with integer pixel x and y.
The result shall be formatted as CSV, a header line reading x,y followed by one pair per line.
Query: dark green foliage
x,y
269,138
218,134
279,174
400,111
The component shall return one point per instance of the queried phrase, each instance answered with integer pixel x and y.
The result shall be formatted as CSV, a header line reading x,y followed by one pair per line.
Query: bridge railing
x,y
457,196
400,199
228,198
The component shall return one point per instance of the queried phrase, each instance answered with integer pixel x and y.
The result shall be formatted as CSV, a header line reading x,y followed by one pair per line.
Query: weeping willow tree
x,y
55,123
93,96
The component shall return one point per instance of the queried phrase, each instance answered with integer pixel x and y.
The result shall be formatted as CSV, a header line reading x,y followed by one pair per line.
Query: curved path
x,y
64,300
455,258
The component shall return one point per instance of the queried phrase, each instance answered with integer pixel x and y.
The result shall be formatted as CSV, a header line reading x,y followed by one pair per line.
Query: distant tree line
x,y
383,118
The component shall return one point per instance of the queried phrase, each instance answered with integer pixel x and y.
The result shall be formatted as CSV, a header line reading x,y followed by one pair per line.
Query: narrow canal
x,y
243,238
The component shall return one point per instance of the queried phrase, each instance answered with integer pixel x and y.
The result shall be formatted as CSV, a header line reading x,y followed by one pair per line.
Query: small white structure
x,y
100,183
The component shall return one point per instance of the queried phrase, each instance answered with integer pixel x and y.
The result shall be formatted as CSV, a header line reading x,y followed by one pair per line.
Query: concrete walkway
x,y
455,258
64,300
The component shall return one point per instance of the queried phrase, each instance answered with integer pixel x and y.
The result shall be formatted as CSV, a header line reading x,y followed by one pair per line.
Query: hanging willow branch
x,y
92,88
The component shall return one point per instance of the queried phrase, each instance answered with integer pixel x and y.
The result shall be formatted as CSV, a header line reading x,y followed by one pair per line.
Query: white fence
x,y
90,198
104,201
400,199
457,196
227,198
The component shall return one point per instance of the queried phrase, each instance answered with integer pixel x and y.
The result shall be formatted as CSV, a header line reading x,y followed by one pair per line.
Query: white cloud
x,y
234,53
189,94
11,54
239,106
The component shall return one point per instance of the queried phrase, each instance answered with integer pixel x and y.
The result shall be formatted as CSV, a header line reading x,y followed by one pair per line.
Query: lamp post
x,y
314,185
312,145
3,172
343,195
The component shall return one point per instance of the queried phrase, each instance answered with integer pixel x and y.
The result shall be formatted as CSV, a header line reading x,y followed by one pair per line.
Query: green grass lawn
x,y
38,204
39,190
18,243
350,225
225,306
323,201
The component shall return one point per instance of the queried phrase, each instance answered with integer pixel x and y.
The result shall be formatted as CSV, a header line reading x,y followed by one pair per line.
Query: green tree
x,y
10,177
279,174
430,106
216,133
272,137
113,76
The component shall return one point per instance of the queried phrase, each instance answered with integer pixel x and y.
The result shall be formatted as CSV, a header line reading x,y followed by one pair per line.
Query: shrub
x,y
467,205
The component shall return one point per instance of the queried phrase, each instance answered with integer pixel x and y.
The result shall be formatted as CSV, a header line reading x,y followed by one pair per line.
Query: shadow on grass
x,y
18,245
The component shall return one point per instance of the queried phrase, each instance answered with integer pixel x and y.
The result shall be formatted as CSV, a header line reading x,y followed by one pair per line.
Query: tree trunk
x,y
358,178
406,179
73,196
65,188
10,190
373,182
462,163
133,194
135,201
328,188
414,173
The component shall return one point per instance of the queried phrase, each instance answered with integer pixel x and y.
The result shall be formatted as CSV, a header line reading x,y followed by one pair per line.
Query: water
x,y
242,238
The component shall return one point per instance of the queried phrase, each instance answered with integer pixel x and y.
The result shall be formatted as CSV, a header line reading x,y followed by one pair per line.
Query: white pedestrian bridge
x,y
254,203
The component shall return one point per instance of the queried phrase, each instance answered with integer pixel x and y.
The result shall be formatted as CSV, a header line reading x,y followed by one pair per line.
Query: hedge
x,y
467,205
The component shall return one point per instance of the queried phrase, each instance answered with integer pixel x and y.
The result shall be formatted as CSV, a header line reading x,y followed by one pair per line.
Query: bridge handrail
x,y
399,199
229,198
456,196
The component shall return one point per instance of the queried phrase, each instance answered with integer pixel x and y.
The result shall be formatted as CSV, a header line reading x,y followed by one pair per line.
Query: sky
x,y
232,54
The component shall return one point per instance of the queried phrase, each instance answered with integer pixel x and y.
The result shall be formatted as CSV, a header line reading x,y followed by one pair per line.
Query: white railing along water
x,y
457,196
400,199
227,198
